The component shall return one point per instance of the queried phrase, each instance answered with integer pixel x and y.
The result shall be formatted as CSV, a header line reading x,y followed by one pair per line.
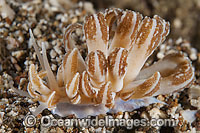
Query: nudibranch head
x,y
111,77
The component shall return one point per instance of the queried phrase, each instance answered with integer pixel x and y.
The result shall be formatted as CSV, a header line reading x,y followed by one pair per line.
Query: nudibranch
x,y
111,78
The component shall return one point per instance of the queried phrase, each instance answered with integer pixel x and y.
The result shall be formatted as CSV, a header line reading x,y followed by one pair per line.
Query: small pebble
x,y
88,7
12,113
144,115
177,23
11,43
179,40
53,54
186,44
18,54
13,60
58,50
193,55
126,115
54,67
155,113
37,32
1,117
160,55
17,67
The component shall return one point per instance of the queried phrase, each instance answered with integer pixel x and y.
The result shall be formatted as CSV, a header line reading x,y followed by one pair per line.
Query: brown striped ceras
x,y
119,43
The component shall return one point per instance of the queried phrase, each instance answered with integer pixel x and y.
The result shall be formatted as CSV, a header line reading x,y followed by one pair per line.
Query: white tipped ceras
x,y
119,43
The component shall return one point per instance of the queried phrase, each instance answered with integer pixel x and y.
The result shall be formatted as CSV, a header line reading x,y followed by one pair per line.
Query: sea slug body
x,y
112,77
